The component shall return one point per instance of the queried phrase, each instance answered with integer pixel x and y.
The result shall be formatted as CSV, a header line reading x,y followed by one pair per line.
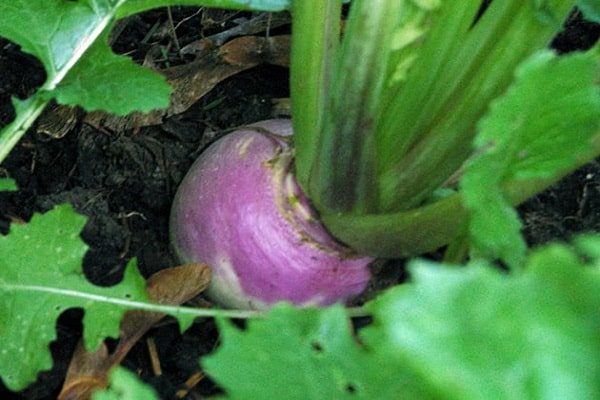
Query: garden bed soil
x,y
124,182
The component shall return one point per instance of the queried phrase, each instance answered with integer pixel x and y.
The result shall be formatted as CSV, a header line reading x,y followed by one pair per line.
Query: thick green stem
x,y
343,176
316,35
402,234
429,227
27,112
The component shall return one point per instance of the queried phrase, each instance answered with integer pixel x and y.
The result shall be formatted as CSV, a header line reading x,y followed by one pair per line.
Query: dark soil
x,y
124,182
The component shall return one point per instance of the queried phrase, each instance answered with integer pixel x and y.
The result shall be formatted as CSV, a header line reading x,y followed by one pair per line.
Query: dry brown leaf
x,y
89,371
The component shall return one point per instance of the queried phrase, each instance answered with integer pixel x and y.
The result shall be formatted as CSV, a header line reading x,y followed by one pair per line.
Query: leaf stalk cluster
x,y
386,112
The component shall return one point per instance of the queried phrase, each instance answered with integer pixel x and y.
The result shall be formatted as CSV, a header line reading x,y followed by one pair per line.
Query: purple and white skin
x,y
240,210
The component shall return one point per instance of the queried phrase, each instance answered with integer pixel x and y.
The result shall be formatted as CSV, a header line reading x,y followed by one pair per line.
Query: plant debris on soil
x,y
122,174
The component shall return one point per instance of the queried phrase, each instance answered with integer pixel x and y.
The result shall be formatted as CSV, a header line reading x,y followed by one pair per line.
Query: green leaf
x,y
302,354
7,185
68,37
591,9
125,385
101,80
53,31
452,333
477,333
589,246
40,277
541,126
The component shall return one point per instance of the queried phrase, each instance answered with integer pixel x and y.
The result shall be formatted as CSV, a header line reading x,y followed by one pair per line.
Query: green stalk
x,y
27,112
408,100
402,234
343,175
429,227
316,35
440,117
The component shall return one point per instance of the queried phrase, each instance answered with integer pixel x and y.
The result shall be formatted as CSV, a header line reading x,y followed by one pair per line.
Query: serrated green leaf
x,y
125,385
40,277
591,9
68,38
303,354
7,185
309,371
477,333
453,333
494,225
51,30
541,126
589,245
101,80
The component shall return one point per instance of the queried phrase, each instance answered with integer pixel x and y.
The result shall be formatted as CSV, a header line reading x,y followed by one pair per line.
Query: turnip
x,y
240,210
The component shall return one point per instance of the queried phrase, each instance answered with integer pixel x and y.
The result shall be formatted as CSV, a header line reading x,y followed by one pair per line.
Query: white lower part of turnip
x,y
240,210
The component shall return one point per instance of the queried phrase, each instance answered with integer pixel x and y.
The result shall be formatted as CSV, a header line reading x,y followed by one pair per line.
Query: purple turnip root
x,y
240,210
